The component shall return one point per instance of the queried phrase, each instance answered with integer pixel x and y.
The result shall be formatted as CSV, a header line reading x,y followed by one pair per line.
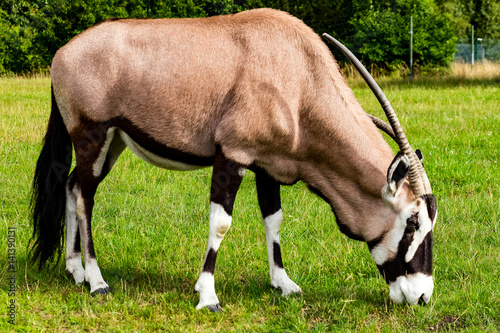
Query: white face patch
x,y
387,249
411,288
156,160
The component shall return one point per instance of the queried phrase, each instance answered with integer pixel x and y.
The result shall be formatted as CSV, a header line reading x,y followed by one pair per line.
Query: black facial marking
x,y
209,265
394,268
277,255
422,260
420,263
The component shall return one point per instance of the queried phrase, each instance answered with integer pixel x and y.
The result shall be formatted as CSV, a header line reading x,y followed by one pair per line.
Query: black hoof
x,y
214,308
101,291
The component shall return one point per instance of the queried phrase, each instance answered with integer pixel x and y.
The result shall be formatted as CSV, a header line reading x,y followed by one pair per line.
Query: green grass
x,y
151,225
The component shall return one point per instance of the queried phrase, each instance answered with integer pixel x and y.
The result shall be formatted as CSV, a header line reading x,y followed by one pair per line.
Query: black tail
x,y
48,199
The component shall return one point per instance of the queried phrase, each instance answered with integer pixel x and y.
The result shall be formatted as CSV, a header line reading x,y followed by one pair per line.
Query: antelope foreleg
x,y
268,192
226,179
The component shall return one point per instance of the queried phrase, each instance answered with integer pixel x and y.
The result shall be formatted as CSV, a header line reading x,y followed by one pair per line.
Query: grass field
x,y
150,228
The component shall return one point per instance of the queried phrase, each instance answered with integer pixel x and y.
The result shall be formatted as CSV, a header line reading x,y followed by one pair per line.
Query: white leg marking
x,y
219,224
410,288
206,287
92,272
73,259
279,277
93,276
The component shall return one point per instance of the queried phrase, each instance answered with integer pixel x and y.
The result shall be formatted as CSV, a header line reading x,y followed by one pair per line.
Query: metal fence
x,y
484,49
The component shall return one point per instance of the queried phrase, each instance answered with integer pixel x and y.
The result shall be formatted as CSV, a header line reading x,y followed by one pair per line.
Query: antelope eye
x,y
412,223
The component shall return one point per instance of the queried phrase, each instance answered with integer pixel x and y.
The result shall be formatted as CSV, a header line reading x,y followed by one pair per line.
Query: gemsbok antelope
x,y
256,90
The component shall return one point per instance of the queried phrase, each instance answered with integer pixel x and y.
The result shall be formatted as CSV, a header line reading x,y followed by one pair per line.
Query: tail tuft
x,y
48,198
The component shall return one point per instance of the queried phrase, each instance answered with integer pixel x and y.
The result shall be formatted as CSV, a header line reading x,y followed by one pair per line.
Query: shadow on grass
x,y
125,280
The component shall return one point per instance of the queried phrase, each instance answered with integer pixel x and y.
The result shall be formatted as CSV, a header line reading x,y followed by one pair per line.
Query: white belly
x,y
155,159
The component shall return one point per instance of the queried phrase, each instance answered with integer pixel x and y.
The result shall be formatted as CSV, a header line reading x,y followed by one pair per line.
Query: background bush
x,y
377,31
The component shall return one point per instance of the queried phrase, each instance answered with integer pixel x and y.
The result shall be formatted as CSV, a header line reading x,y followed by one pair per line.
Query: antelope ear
x,y
396,176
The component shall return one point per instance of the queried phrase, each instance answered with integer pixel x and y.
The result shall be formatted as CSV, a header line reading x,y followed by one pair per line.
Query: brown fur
x,y
260,84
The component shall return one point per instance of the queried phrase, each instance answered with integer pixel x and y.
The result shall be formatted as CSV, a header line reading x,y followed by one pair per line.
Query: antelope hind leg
x,y
95,155
74,265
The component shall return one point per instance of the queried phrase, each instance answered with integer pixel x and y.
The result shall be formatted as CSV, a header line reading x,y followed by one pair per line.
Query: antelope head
x,y
403,254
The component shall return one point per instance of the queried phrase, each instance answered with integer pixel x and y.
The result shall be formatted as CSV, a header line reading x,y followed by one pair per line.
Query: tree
x,y
32,31
376,30
483,14
382,34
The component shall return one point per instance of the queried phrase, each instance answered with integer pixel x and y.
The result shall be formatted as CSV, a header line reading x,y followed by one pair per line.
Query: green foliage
x,y
376,30
483,14
32,32
383,34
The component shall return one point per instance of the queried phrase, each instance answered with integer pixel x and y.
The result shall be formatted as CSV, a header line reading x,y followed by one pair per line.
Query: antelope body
x,y
257,90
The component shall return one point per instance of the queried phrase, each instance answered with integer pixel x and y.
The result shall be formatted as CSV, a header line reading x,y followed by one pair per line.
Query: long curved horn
x,y
382,125
418,179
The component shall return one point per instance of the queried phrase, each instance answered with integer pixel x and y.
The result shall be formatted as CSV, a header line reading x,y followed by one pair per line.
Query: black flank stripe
x,y
150,144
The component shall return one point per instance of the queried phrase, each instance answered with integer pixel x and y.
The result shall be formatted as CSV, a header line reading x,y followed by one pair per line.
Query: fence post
x,y
472,43
411,48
